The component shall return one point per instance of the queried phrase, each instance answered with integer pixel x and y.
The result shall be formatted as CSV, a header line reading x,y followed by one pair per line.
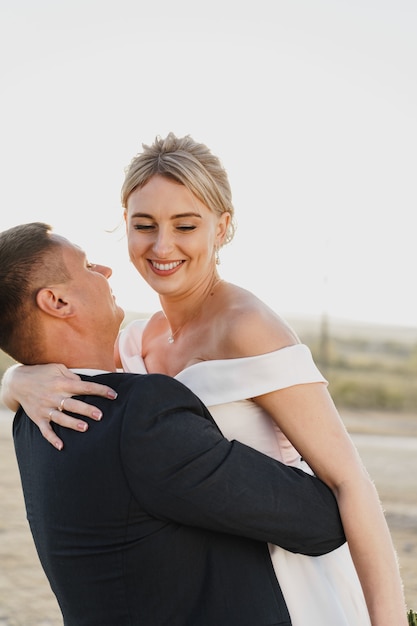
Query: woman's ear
x,y
222,226
53,302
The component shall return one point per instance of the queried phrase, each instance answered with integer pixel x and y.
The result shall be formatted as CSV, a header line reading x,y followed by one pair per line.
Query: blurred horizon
x,y
314,321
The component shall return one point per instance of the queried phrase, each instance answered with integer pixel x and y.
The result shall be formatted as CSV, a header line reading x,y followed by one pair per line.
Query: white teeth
x,y
166,266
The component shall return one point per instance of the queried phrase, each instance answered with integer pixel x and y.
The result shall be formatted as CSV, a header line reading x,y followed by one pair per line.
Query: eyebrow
x,y
173,217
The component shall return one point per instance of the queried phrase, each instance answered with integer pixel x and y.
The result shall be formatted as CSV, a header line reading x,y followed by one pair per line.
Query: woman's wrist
x,y
6,391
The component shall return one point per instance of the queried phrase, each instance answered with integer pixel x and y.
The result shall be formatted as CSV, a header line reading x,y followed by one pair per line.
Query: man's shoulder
x,y
145,384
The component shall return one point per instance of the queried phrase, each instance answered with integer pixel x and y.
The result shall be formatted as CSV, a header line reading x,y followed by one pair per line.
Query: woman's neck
x,y
181,311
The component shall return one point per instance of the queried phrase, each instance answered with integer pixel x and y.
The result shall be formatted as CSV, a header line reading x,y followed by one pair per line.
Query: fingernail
x,y
82,426
58,446
98,415
112,395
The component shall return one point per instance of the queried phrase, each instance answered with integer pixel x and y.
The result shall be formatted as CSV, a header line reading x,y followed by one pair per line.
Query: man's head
x,y
54,304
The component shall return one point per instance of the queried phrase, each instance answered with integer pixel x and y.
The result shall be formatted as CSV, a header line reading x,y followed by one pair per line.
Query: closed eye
x,y
144,227
186,228
150,227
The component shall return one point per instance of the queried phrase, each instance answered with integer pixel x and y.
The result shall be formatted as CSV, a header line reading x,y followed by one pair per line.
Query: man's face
x,y
89,291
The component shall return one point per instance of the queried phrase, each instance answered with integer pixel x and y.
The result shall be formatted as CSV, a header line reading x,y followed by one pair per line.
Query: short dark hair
x,y
29,260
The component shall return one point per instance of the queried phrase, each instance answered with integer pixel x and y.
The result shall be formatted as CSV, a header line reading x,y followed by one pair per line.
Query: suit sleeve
x,y
181,469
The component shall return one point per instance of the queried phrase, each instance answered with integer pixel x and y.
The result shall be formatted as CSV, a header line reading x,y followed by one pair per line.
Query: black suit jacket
x,y
153,518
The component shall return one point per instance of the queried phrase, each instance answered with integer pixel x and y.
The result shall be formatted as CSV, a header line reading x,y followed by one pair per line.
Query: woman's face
x,y
172,236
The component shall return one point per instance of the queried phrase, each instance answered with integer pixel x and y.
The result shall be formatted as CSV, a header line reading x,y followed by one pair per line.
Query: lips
x,y
165,267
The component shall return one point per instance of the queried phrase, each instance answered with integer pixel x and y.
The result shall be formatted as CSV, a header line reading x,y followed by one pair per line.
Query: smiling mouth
x,y
164,267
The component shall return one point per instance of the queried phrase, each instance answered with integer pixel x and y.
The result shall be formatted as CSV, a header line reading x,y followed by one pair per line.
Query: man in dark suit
x,y
152,517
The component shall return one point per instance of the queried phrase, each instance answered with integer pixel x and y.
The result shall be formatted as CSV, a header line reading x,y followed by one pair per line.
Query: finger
x,y
50,435
78,387
71,405
62,419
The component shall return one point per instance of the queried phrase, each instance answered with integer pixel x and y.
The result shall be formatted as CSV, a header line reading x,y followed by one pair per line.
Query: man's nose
x,y
104,269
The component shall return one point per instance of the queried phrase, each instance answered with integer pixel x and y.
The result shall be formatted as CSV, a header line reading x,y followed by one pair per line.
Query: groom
x,y
152,517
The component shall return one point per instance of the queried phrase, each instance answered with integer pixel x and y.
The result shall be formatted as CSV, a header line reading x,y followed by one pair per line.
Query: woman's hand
x,y
45,393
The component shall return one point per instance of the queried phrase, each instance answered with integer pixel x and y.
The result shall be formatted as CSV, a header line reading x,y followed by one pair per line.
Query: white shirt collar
x,y
88,372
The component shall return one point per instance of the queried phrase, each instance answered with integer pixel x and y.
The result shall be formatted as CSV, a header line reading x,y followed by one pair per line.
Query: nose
x,y
162,244
104,269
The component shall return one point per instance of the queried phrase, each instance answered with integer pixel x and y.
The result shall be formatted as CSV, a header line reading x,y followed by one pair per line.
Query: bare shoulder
x,y
247,326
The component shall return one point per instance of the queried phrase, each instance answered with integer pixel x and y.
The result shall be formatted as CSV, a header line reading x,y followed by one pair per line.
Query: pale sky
x,y
310,104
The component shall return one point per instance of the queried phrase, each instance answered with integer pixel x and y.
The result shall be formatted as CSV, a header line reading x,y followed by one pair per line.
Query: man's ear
x,y
53,302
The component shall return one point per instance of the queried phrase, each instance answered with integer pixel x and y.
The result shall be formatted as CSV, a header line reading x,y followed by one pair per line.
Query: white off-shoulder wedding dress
x,y
319,591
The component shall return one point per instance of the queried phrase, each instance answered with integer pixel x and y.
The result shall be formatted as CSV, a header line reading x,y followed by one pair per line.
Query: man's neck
x,y
78,348
81,355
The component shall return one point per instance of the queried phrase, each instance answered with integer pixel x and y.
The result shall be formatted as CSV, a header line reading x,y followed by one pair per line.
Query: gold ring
x,y
61,405
50,413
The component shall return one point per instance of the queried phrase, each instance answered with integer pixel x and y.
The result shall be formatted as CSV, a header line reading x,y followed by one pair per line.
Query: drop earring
x,y
216,256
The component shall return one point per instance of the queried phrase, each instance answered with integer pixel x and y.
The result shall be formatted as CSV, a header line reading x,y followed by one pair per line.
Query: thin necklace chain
x,y
171,337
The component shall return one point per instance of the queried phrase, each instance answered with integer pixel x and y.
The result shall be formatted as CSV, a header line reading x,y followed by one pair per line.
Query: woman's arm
x,y
308,417
39,389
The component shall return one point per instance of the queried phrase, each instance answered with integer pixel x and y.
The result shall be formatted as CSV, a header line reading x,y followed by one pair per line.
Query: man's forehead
x,y
66,244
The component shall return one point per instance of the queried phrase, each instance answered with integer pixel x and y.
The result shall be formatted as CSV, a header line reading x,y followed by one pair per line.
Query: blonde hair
x,y
189,163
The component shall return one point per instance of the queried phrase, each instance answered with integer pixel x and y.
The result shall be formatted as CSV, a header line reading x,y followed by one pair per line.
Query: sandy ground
x,y
387,444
